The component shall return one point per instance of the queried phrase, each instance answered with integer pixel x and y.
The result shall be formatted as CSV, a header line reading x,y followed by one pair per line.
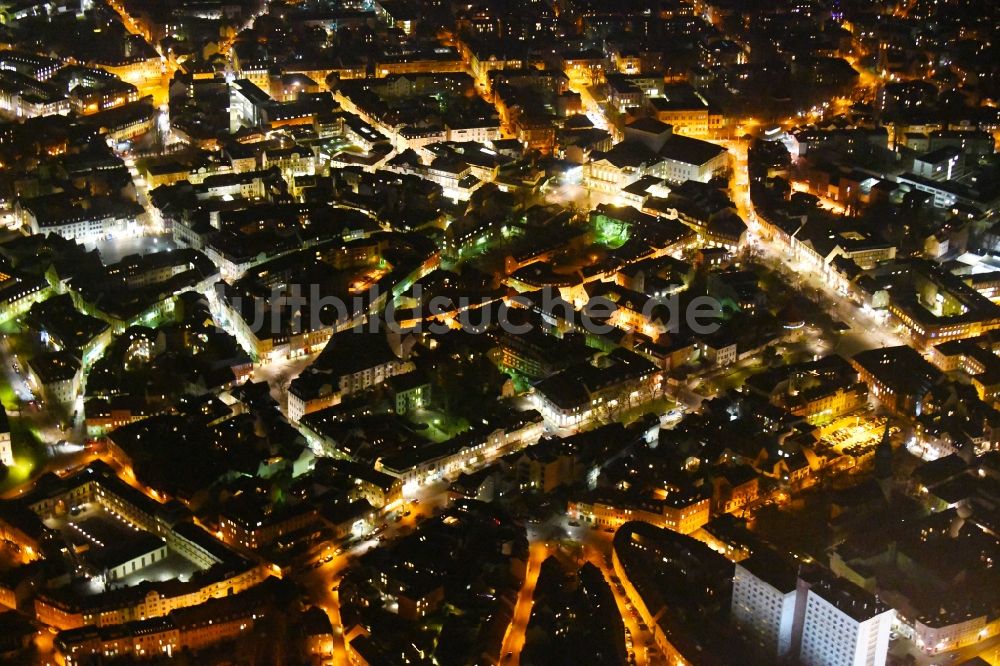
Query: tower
x,y
6,452
883,462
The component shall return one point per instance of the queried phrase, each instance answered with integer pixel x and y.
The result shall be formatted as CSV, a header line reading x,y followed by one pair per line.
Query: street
x,y
322,577
513,641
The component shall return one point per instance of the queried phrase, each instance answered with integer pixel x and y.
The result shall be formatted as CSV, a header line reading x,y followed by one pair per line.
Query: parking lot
x,y
854,436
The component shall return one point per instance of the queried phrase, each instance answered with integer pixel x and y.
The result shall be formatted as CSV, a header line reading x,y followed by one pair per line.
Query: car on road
x,y
574,523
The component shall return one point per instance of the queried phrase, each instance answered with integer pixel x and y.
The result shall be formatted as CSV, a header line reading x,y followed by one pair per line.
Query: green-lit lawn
x,y
20,473
522,383
440,426
27,449
27,457
7,395
658,406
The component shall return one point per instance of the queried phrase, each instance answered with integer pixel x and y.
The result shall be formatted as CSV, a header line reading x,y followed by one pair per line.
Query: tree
x,y
770,357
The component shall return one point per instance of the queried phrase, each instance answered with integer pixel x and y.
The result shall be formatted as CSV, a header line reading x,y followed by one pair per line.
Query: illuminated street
x,y
514,639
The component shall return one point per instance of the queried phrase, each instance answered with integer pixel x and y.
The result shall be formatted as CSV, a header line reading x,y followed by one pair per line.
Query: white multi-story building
x,y
58,374
349,363
79,218
842,625
684,158
765,589
480,132
581,394
810,616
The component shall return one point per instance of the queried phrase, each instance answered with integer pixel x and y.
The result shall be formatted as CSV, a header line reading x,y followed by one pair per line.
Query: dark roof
x,y
773,569
649,125
626,153
900,368
690,151
345,354
573,387
939,155
55,366
847,597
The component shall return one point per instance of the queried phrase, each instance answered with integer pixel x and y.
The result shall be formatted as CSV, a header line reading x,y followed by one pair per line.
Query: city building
x,y
73,218
841,623
897,377
765,594
350,362
581,394
181,630
687,111
678,511
401,301
6,451
936,306
806,615
58,375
